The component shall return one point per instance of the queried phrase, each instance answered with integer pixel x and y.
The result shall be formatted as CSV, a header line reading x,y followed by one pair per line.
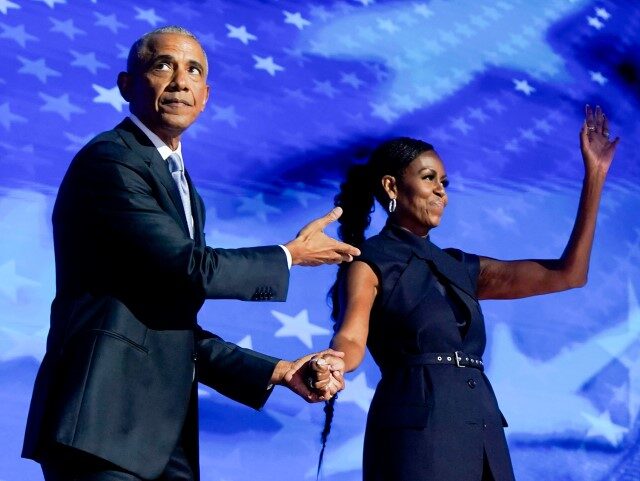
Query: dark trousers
x,y
73,465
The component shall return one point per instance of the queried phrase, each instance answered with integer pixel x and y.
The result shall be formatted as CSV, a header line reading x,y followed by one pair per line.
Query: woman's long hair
x,y
361,187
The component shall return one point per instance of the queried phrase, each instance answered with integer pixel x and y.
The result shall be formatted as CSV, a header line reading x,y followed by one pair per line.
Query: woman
x,y
434,415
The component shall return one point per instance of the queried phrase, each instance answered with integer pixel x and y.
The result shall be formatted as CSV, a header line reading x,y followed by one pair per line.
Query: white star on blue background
x,y
59,105
267,64
109,21
226,114
523,86
18,34
5,5
257,207
299,326
7,117
52,3
148,15
66,27
38,68
88,61
109,96
240,33
12,282
295,19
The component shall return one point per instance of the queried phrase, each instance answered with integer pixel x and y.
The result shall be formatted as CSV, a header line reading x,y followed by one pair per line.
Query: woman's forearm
x,y
574,262
353,351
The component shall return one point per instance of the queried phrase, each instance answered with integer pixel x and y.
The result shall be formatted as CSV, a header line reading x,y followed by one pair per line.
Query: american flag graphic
x,y
299,91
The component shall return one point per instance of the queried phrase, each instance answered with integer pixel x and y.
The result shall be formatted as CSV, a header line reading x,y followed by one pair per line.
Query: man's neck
x,y
163,147
171,141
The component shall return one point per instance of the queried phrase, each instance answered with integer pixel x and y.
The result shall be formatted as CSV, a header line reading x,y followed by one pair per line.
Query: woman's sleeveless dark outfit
x,y
429,421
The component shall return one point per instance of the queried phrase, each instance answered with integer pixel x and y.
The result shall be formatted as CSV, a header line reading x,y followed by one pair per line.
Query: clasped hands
x,y
314,377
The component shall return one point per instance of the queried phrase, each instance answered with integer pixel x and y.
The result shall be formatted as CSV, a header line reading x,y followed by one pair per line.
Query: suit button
x,y
194,357
471,383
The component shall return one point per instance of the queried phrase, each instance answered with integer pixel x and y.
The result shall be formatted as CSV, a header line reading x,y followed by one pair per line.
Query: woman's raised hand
x,y
597,149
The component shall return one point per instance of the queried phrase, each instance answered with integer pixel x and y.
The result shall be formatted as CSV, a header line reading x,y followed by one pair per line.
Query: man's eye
x,y
195,71
163,66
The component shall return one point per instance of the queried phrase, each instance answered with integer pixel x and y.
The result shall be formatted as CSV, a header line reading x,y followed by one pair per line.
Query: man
x,y
116,396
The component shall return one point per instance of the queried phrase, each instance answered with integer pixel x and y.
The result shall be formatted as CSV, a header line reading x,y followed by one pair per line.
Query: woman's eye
x,y
428,177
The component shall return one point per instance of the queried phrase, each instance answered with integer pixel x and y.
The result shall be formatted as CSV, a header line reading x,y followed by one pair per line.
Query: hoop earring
x,y
392,206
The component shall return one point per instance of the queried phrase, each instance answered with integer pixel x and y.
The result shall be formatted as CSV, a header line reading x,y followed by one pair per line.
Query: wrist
x,y
281,369
293,249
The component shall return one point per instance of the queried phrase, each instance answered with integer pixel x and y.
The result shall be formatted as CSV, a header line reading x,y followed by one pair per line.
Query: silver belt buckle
x,y
458,358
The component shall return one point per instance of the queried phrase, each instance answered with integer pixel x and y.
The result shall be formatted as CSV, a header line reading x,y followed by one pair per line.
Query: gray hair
x,y
138,52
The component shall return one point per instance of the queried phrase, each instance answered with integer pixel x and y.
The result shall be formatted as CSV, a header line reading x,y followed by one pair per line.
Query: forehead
x,y
176,45
427,160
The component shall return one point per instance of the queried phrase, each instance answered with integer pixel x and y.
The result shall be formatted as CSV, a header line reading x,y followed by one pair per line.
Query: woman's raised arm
x,y
523,278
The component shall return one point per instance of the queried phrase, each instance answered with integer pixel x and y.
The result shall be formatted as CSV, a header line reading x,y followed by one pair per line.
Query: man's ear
x,y
206,98
125,85
390,186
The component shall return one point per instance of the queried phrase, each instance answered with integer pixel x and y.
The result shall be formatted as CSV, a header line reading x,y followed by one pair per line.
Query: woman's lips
x,y
437,205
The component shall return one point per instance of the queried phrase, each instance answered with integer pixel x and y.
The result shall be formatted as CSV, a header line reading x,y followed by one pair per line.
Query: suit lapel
x,y
138,142
196,210
453,271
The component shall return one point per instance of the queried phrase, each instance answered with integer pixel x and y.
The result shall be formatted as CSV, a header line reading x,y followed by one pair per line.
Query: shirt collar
x,y
421,246
163,149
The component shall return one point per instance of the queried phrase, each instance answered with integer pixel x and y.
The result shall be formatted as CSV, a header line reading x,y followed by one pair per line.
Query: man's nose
x,y
179,80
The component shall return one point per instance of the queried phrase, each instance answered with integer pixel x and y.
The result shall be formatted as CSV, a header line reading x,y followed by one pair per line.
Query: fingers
x,y
318,365
296,366
322,222
329,388
595,122
312,247
332,216
347,251
605,126
584,134
589,118
331,352
324,375
614,144
598,119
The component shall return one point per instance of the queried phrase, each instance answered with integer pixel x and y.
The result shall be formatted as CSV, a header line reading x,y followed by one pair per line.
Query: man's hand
x,y
325,374
297,375
312,247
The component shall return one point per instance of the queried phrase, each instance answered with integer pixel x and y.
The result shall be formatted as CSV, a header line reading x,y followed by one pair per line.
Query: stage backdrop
x,y
301,90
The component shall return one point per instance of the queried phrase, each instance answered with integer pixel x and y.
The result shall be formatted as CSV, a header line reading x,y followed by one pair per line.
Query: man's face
x,y
169,90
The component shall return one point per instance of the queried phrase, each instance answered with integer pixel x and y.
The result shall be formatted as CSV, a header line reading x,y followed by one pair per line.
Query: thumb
x,y
332,216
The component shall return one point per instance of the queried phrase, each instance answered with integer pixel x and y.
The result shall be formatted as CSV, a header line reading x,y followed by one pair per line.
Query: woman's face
x,y
420,194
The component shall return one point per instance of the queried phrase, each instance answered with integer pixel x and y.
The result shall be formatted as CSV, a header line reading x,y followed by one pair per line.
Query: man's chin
x,y
175,124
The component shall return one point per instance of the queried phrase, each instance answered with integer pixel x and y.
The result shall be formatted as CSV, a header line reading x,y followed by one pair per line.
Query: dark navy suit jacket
x,y
116,380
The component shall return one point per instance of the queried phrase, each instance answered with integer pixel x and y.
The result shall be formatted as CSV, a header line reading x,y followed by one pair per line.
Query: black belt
x,y
456,358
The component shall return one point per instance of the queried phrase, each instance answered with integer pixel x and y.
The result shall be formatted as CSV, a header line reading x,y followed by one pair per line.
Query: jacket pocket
x,y
122,338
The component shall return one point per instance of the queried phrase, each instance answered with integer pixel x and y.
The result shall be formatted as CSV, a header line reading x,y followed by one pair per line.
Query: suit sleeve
x,y
238,373
126,217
